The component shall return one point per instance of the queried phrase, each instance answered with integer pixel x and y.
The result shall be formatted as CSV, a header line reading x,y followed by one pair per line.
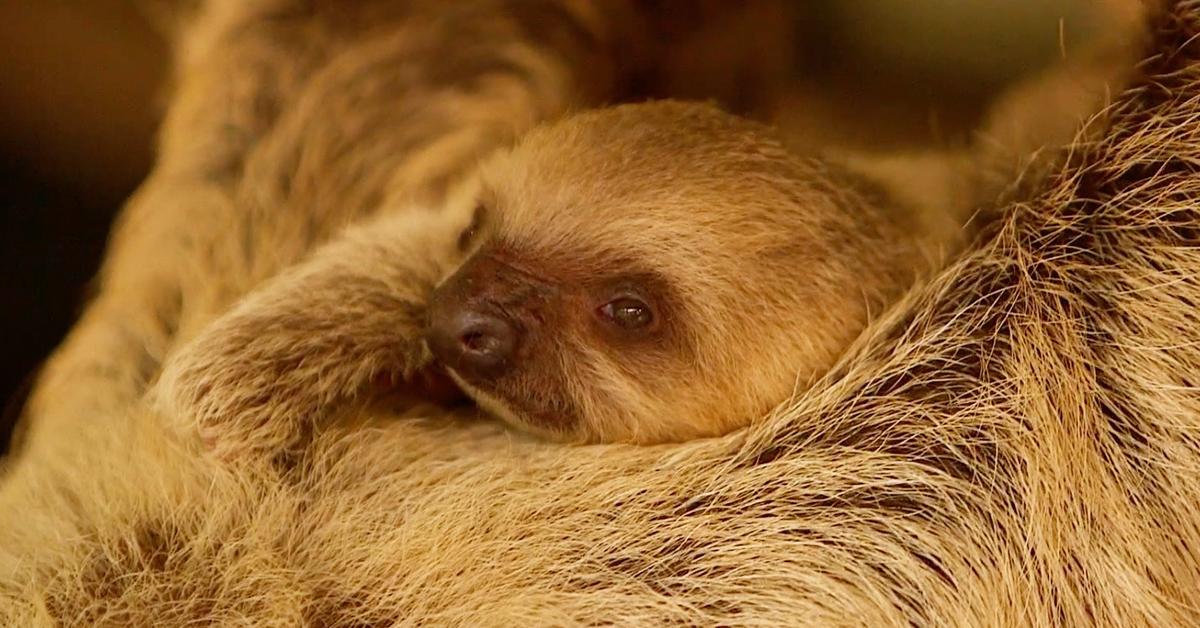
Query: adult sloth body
x,y
1016,445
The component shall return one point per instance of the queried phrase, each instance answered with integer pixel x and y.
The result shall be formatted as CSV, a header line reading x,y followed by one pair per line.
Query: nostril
x,y
477,344
480,342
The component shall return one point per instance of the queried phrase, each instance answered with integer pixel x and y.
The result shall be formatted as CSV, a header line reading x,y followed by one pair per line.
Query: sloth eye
x,y
628,312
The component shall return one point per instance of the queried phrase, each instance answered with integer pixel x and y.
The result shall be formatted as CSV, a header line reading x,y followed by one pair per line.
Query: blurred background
x,y
80,96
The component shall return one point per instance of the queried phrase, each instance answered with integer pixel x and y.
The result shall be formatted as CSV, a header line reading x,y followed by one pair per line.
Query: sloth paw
x,y
228,427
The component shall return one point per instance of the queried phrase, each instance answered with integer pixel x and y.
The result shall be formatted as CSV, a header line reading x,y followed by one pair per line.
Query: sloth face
x,y
532,340
653,273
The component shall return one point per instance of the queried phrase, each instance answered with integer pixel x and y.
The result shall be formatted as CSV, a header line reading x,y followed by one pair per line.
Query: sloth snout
x,y
477,344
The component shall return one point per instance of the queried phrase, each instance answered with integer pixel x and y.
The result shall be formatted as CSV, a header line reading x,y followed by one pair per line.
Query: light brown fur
x,y
290,120
761,266
1015,443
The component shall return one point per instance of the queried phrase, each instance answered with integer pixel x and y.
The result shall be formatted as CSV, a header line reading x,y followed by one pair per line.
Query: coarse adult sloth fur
x,y
1018,442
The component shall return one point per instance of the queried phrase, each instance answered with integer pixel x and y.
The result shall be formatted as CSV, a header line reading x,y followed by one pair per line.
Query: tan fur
x,y
714,206
315,337
1015,443
770,265
290,120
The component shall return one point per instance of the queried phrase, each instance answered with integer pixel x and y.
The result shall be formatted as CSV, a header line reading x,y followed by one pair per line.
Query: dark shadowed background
x,y
79,102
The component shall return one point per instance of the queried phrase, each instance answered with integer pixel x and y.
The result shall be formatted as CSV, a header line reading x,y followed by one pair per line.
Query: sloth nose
x,y
476,344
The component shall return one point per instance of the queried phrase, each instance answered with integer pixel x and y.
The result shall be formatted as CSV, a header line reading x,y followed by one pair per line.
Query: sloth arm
x,y
226,174
261,377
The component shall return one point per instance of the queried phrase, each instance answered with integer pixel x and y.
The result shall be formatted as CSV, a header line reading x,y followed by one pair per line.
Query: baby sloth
x,y
644,273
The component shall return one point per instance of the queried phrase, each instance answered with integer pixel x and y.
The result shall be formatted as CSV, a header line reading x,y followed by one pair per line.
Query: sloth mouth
x,y
550,423
486,401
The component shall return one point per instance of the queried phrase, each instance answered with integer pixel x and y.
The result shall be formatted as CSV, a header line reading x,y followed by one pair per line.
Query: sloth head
x,y
657,272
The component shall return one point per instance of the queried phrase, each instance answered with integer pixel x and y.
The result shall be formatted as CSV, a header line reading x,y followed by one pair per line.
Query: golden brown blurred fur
x,y
1014,444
